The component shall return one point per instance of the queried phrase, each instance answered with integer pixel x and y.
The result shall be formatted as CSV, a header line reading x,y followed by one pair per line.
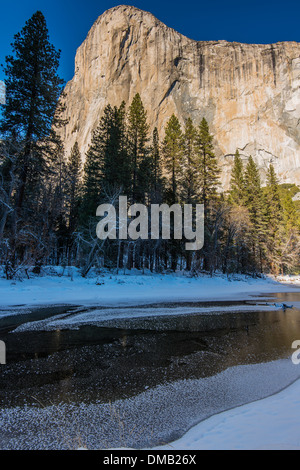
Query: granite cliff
x,y
249,93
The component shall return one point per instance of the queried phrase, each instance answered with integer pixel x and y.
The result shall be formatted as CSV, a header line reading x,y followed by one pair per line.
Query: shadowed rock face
x,y
249,93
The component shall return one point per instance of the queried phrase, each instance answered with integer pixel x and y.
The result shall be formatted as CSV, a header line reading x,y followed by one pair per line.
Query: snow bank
x,y
133,288
271,423
160,415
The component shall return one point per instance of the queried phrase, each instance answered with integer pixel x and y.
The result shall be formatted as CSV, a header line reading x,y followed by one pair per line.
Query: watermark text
x,y
157,222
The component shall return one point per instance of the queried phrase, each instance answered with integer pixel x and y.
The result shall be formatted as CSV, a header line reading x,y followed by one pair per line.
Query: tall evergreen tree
x,y
32,91
237,183
73,186
189,163
116,165
123,161
172,149
207,164
274,207
274,218
93,168
256,204
138,139
155,169
58,213
289,213
253,191
107,167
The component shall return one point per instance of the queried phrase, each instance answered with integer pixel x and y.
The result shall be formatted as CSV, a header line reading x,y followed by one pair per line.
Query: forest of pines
x,y
48,200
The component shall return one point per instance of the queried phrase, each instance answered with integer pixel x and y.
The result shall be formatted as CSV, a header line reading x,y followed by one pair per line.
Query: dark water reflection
x,y
126,356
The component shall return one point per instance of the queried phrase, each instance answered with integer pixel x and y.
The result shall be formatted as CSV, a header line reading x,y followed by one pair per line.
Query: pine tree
x,y
289,249
58,216
189,163
208,181
289,213
273,217
253,191
116,165
256,204
137,139
107,168
172,149
237,183
73,186
123,161
156,179
32,91
207,164
274,207
93,168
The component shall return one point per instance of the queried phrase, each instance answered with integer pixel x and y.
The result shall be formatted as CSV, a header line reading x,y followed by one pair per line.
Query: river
x,y
138,380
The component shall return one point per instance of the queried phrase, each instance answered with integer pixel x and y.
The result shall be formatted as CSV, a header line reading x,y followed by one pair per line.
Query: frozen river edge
x,y
147,418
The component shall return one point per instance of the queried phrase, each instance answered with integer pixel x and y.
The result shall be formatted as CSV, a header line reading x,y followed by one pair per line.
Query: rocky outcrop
x,y
249,93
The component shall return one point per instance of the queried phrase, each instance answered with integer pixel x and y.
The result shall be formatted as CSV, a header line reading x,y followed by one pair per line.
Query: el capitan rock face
x,y
249,93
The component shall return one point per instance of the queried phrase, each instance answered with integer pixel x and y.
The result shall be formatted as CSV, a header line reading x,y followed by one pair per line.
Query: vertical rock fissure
x,y
273,56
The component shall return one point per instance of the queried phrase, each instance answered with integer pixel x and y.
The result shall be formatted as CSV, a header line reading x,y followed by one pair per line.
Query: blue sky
x,y
69,21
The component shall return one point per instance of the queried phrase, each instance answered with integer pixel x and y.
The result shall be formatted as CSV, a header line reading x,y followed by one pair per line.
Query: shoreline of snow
x,y
155,414
136,288
269,423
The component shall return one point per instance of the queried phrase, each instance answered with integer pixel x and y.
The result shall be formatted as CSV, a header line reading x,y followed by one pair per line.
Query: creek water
x,y
124,358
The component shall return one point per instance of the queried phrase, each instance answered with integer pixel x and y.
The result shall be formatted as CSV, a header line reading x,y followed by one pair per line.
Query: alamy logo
x,y
296,354
2,92
2,353
155,223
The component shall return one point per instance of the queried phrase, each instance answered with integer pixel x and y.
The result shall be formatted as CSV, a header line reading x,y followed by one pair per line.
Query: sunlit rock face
x,y
249,93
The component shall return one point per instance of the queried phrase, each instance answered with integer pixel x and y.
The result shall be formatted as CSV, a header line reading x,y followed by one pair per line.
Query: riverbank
x,y
68,287
268,424
101,375
156,417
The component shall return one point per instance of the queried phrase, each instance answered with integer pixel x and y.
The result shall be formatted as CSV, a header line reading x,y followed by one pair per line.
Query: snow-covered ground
x,y
270,423
134,288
